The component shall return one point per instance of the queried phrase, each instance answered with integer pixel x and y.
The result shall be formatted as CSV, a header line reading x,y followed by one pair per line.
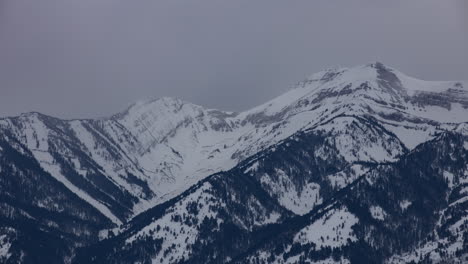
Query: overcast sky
x,y
92,58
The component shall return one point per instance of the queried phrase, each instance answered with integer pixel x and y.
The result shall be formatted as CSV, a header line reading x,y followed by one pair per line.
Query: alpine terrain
x,y
353,165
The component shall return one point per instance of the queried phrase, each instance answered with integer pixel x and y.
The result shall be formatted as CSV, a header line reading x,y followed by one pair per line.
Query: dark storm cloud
x,y
89,58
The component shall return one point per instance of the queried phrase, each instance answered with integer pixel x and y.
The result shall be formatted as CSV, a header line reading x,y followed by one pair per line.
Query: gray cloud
x,y
90,58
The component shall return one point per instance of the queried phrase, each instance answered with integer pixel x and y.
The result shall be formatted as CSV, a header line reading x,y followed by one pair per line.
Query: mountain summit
x,y
172,179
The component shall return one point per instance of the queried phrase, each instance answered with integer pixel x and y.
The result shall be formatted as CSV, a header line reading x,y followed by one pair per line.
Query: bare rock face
x,y
444,99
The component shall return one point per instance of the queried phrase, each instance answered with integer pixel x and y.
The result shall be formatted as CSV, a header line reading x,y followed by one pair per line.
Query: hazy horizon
x,y
94,58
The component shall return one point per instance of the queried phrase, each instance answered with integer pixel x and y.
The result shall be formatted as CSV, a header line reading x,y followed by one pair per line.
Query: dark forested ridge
x,y
396,210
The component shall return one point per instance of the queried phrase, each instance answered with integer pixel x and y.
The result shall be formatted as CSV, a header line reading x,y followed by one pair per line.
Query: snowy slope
x,y
410,211
190,142
366,212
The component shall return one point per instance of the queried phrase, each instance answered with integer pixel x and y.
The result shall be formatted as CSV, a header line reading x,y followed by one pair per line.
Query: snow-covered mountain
x,y
291,158
412,210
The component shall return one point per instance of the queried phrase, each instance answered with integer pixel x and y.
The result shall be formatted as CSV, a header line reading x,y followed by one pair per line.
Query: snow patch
x,y
343,178
4,248
411,136
377,213
298,201
405,204
449,177
252,168
334,229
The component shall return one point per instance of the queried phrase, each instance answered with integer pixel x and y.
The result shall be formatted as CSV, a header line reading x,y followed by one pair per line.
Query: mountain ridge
x,y
155,150
154,123
318,76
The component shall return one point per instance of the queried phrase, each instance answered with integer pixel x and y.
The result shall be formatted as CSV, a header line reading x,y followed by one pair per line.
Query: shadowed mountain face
x,y
361,212
360,165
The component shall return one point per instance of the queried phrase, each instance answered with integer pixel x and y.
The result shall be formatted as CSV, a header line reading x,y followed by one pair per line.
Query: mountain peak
x,y
169,102
374,81
162,104
377,65
370,71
